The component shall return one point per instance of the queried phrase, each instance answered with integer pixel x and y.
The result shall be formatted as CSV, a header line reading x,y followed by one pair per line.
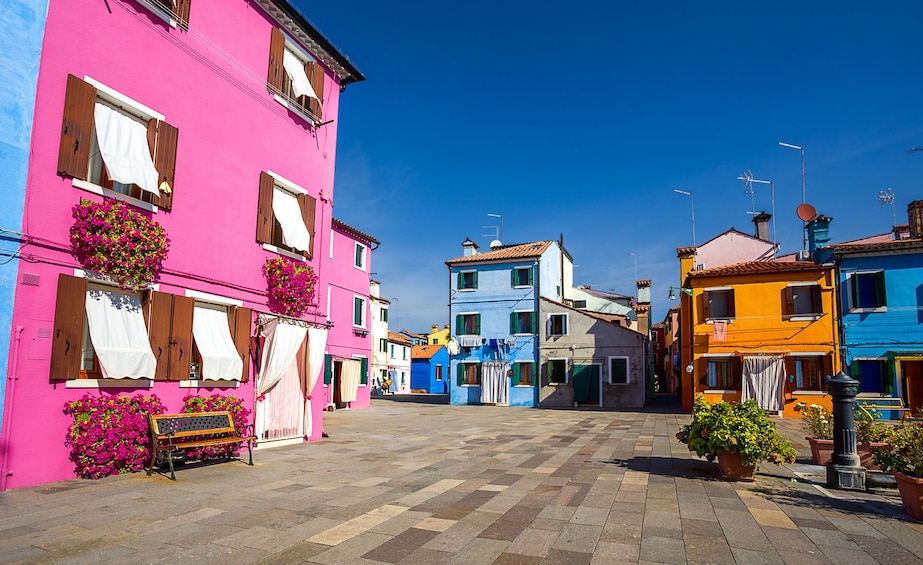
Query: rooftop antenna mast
x,y
748,180
887,197
500,216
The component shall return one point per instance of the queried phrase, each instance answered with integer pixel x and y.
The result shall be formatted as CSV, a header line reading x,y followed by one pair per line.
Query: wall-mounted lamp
x,y
672,295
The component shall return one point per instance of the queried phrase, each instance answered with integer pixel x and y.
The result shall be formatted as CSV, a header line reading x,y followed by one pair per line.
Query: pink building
x,y
216,119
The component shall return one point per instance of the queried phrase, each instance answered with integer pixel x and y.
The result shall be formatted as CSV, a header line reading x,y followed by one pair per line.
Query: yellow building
x,y
437,336
760,329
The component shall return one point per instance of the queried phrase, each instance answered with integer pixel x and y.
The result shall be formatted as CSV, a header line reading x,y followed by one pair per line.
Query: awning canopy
x,y
212,335
301,86
123,146
119,335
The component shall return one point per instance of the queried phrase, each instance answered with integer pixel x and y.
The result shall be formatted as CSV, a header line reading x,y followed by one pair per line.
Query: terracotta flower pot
x,y
911,489
732,468
822,451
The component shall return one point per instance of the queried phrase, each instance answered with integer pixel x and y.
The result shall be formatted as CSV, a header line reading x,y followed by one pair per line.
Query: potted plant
x,y
902,456
739,435
871,433
291,286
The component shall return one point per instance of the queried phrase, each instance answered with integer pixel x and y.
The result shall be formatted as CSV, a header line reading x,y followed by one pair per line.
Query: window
x,y
214,353
802,301
116,147
723,373
109,354
468,324
359,311
523,373
404,353
384,315
392,351
438,373
618,370
467,280
867,291
469,374
285,215
579,303
557,324
295,78
556,371
176,12
718,304
522,323
522,276
808,372
360,256
383,345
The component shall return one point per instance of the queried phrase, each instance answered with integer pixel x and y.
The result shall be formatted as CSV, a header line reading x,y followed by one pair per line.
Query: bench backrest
x,y
182,425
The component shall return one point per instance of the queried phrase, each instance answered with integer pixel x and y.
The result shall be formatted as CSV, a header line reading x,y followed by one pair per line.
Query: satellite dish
x,y
806,212
495,244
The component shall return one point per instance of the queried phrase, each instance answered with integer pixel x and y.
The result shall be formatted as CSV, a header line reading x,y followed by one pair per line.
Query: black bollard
x,y
844,470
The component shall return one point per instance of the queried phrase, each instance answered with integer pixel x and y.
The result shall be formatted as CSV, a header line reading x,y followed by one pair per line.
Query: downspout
x,y
838,326
8,412
450,379
538,325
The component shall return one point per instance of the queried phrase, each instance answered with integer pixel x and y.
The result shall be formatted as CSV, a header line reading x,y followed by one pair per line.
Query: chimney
x,y
470,247
644,318
644,291
915,219
435,328
761,221
818,233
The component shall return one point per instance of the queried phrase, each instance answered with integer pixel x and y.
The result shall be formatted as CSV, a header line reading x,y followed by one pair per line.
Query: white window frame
x,y
627,369
725,319
532,384
850,305
463,314
517,312
331,243
806,317
566,370
368,365
293,188
466,288
718,356
305,57
465,363
365,260
161,13
364,321
516,269
566,317
329,300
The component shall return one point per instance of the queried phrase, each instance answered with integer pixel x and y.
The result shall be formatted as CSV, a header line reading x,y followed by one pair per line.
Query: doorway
x,y
587,384
912,373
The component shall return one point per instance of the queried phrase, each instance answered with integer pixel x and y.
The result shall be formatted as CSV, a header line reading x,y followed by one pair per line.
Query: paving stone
x,y
563,557
662,550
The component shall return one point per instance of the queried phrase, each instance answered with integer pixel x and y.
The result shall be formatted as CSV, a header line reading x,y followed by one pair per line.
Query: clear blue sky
x,y
581,118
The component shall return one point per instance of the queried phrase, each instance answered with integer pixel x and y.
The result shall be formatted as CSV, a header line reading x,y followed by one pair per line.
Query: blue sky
x,y
581,118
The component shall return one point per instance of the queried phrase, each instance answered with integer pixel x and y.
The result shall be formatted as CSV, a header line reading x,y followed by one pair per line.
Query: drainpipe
x,y
537,277
8,413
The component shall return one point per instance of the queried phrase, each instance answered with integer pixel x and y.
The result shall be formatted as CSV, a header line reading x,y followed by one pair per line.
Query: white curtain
x,y
279,352
288,212
280,400
317,344
123,146
220,359
119,335
494,383
349,376
762,380
301,86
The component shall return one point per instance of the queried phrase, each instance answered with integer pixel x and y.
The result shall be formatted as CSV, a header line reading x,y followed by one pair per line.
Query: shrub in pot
x,y
871,433
902,456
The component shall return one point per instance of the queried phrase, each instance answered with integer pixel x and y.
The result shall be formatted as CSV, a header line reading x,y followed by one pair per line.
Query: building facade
x,y
429,369
399,362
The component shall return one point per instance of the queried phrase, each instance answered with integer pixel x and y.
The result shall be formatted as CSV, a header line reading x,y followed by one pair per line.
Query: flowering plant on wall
x,y
215,403
109,435
291,285
110,238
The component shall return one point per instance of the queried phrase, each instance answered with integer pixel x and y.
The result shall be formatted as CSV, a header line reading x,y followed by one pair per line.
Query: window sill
x,y
810,392
470,386
98,190
720,391
523,386
163,14
868,310
109,383
619,384
280,251
804,318
467,289
523,286
557,384
725,320
209,384
295,109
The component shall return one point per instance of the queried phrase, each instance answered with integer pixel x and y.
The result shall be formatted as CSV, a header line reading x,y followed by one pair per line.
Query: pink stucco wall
x,y
209,82
732,247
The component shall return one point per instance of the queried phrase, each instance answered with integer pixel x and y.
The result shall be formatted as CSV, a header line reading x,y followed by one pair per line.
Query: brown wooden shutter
x,y
706,305
264,215
181,338
827,370
308,205
77,128
816,301
276,53
736,367
164,155
157,313
239,322
788,301
181,11
315,74
732,311
69,316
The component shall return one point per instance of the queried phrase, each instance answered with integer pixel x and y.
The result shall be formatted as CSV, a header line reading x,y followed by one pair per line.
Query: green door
x,y
586,384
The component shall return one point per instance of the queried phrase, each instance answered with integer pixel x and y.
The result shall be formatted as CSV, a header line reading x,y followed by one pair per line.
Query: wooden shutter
x,y
164,154
817,304
474,279
276,75
477,324
459,325
308,205
459,282
514,325
328,369
732,312
881,295
736,368
530,275
239,321
460,378
364,372
69,316
181,338
513,277
534,320
517,374
181,11
159,313
315,74
827,369
706,305
853,292
77,128
788,301
264,215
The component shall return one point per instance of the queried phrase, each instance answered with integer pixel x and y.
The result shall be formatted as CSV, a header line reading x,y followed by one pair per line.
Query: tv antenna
x,y
886,197
747,178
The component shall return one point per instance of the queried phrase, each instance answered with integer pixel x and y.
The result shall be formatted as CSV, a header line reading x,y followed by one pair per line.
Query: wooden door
x,y
913,384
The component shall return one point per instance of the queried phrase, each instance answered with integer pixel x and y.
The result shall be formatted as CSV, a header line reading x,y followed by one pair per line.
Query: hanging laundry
x,y
719,331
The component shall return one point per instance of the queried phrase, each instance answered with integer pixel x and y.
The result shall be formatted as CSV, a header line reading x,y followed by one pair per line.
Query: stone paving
x,y
427,484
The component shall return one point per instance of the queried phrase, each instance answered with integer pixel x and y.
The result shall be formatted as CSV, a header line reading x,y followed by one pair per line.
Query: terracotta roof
x,y
354,232
424,351
506,252
680,251
757,267
398,338
893,245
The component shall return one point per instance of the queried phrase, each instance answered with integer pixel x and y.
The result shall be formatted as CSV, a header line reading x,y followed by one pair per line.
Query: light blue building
x,y
20,52
429,369
880,282
494,309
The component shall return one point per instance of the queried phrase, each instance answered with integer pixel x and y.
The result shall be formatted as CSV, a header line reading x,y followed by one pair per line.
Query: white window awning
x,y
123,146
301,86
286,209
119,335
220,360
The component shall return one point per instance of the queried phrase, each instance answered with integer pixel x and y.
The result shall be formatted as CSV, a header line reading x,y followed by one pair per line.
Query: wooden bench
x,y
171,433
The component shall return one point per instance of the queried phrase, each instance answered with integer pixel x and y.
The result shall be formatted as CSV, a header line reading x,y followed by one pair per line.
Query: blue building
x,y
494,309
880,283
20,52
429,369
